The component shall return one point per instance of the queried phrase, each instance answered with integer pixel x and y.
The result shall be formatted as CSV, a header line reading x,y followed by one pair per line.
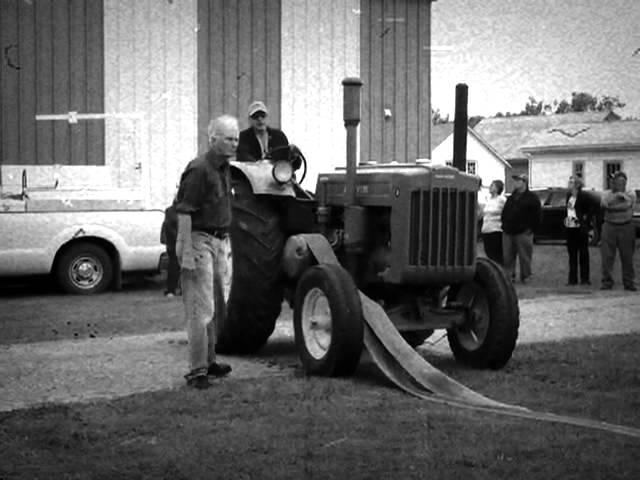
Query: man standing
x,y
204,249
520,217
618,232
257,140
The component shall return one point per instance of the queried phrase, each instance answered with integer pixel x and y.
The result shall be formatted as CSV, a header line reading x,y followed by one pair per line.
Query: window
x,y
578,169
610,167
471,167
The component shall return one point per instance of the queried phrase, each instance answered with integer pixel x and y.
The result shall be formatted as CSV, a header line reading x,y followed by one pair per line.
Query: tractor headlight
x,y
282,171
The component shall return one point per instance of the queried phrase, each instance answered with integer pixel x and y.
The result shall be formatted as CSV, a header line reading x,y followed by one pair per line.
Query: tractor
x,y
403,234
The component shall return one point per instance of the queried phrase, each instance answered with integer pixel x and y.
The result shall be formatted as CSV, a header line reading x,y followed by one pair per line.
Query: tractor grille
x,y
443,228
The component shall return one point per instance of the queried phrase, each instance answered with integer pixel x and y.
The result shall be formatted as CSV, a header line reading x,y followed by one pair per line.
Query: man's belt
x,y
220,233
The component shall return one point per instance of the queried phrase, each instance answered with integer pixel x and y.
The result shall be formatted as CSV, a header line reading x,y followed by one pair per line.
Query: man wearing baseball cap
x,y
618,232
257,140
520,217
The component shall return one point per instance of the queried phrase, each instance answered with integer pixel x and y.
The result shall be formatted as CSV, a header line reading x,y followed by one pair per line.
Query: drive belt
x,y
409,371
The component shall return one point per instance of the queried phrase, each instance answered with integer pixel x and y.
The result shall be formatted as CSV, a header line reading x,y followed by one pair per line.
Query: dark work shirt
x,y
205,193
249,148
521,212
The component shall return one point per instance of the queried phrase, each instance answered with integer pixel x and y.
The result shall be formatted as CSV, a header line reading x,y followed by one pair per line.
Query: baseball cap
x,y
257,107
619,174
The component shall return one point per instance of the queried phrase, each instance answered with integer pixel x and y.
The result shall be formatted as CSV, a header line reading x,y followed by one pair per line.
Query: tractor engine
x,y
415,224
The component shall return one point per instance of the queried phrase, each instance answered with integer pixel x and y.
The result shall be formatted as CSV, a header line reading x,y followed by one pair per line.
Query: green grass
x,y
298,427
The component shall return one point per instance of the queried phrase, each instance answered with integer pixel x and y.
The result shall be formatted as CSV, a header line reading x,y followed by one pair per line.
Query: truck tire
x,y
327,321
488,338
84,268
257,288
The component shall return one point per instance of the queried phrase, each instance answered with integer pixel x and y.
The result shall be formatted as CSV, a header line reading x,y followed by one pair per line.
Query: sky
x,y
508,50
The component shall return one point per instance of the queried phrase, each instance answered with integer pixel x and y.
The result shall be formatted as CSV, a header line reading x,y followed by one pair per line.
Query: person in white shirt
x,y
491,222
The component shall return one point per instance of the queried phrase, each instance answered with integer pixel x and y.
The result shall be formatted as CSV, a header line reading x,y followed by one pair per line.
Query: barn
x,y
112,97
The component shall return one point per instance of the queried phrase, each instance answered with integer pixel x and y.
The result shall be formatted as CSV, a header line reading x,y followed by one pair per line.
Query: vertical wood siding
x,y
320,47
238,59
52,64
395,65
150,93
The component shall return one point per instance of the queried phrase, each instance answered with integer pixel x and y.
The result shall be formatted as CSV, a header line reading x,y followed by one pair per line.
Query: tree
x,y
583,102
437,117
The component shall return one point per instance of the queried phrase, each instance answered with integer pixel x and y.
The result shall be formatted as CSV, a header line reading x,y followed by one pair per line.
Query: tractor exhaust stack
x,y
460,128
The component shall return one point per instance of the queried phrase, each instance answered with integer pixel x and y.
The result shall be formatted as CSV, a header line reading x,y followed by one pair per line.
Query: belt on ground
x,y
619,224
220,233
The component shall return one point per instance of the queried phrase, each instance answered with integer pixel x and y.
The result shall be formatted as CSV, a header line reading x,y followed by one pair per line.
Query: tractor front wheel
x,y
327,320
488,337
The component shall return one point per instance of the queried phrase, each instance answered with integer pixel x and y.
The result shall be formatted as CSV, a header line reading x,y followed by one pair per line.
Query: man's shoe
x,y
200,382
631,288
585,282
219,369
606,287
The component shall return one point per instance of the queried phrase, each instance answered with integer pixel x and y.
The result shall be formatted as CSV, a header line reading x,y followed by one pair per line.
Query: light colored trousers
x,y
623,239
522,246
205,292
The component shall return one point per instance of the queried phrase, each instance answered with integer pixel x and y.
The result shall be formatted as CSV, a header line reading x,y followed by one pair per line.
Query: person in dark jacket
x,y
259,139
520,218
582,208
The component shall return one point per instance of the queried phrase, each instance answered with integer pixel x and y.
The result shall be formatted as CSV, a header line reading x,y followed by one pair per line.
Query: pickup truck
x,y
85,243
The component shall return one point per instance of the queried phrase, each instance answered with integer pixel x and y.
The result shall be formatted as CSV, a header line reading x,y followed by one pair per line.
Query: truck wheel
x,y
327,321
489,336
257,289
84,268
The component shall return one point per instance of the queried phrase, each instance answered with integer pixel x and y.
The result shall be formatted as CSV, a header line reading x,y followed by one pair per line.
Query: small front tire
x,y
487,339
328,322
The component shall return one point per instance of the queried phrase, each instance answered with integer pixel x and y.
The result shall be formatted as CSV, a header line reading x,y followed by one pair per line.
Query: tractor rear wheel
x,y
257,289
488,337
327,320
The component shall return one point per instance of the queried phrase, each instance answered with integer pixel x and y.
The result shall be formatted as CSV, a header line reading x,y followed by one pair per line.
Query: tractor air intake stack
x,y
354,215
460,128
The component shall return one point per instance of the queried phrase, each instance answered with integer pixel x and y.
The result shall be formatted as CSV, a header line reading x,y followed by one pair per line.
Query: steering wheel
x,y
294,156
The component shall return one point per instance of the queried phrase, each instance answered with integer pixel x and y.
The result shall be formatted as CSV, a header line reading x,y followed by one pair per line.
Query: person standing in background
x,y
492,222
520,217
618,233
581,210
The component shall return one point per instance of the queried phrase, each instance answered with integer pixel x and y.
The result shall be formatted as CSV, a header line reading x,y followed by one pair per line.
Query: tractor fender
x,y
260,176
303,250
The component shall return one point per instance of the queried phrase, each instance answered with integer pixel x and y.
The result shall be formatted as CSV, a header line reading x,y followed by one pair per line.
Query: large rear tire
x,y
488,338
328,322
257,289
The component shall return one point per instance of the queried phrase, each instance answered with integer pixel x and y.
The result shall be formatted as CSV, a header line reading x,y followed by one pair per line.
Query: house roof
x,y
624,134
508,134
470,131
439,133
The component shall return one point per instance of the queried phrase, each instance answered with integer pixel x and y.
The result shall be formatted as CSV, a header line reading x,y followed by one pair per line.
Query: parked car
x,y
554,211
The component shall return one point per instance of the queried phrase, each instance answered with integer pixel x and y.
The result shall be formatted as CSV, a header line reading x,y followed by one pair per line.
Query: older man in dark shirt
x,y
204,249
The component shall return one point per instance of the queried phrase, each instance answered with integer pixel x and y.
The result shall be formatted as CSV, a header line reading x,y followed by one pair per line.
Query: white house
x,y
482,159
593,150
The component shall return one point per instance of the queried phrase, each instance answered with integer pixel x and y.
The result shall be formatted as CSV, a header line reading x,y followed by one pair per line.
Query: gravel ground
x,y
84,370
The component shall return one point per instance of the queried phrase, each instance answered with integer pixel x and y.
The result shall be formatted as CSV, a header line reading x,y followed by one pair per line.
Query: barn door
x,y
238,59
51,76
